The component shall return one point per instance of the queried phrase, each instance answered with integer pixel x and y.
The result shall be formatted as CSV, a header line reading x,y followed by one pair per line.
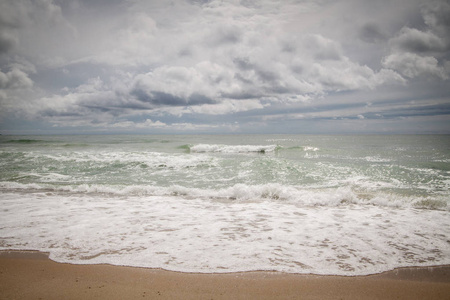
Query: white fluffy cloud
x,y
15,79
412,65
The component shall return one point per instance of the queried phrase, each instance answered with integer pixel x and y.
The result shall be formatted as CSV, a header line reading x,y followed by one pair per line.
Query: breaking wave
x,y
202,148
303,197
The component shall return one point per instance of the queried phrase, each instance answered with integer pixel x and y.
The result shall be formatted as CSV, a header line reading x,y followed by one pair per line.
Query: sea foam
x,y
233,148
302,197
201,235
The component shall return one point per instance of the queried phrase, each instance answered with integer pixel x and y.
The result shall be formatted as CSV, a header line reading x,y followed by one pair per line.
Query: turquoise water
x,y
210,193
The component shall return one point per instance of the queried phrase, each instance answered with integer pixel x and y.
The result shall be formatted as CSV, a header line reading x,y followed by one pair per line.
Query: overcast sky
x,y
244,66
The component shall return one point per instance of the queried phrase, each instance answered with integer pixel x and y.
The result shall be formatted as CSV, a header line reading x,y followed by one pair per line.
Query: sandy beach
x,y
31,275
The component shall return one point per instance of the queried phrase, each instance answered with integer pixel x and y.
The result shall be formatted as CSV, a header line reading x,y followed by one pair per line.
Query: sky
x,y
228,66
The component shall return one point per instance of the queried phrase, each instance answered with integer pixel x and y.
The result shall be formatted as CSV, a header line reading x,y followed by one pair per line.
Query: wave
x,y
25,141
304,197
75,145
310,148
202,148
119,159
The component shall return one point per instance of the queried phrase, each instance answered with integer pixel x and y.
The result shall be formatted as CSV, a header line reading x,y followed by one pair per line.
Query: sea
x,y
309,204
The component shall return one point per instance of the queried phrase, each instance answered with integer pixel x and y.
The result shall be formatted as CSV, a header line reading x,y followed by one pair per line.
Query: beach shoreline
x,y
32,275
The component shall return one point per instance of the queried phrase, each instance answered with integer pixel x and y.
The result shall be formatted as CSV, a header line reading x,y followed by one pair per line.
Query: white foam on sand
x,y
197,234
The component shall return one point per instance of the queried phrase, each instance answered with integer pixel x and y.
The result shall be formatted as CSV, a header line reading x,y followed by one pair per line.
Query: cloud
x,y
15,79
15,89
422,52
164,99
227,107
26,32
225,34
412,65
25,22
416,41
7,41
372,33
178,86
146,124
119,63
435,14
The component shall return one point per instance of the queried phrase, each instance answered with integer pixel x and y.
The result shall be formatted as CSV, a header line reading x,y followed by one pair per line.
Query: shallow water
x,y
295,203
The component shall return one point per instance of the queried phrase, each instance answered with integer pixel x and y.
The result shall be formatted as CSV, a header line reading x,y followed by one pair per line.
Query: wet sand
x,y
31,275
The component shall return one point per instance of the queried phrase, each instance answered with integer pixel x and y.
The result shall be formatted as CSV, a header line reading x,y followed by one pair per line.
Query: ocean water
x,y
346,205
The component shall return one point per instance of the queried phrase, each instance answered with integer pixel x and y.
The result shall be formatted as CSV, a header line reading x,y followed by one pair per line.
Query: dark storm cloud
x,y
428,110
157,98
437,15
53,113
372,33
261,73
7,42
416,41
10,20
12,14
242,95
198,99
423,51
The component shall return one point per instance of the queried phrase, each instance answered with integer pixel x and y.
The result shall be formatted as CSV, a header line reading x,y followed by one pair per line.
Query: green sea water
x,y
338,204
